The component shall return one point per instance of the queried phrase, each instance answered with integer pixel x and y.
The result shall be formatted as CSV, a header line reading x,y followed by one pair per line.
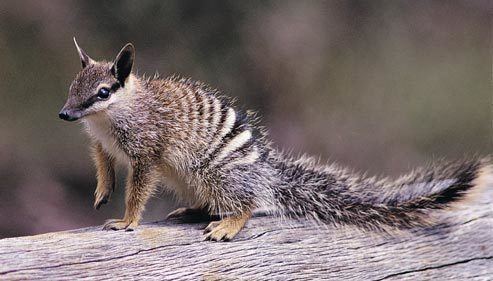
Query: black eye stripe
x,y
95,98
90,101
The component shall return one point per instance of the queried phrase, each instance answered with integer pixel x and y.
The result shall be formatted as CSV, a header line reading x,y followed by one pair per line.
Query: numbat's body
x,y
215,158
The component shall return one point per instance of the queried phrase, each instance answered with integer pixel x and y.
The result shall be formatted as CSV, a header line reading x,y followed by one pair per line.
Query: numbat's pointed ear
x,y
123,63
84,58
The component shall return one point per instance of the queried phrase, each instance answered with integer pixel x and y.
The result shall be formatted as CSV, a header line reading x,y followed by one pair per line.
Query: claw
x,y
211,226
97,205
227,228
100,199
129,229
177,213
211,237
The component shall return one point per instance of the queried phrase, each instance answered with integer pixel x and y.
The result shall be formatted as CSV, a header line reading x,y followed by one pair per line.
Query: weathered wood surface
x,y
461,249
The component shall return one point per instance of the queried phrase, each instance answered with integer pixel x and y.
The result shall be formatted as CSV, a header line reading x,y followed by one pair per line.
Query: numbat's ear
x,y
123,63
84,58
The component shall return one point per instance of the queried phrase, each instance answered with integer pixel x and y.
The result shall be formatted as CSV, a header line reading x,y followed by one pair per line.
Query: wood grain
x,y
460,247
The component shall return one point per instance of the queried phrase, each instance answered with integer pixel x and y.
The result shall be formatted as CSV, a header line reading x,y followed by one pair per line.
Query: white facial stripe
x,y
102,85
102,104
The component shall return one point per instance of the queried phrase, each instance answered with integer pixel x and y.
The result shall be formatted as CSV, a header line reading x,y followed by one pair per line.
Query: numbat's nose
x,y
65,116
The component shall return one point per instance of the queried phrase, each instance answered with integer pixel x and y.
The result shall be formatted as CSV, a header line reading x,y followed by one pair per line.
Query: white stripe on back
x,y
233,144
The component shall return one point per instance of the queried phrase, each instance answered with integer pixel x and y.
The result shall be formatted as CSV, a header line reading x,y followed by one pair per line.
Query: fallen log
x,y
460,247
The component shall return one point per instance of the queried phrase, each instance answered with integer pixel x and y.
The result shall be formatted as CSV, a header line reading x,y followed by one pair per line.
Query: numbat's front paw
x,y
101,197
119,224
225,229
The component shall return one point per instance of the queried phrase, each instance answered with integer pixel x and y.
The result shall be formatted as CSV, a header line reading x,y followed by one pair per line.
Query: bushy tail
x,y
332,195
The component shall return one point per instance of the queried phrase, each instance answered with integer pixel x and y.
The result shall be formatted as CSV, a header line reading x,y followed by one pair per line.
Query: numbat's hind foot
x,y
189,215
226,229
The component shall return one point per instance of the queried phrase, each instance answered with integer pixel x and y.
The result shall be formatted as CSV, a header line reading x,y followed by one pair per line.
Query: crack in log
x,y
258,235
433,267
368,246
15,252
474,219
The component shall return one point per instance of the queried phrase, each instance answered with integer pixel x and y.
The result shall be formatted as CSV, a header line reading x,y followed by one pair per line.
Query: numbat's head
x,y
98,84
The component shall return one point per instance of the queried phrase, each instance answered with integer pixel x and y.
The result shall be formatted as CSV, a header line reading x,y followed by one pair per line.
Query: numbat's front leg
x,y
106,176
140,185
227,228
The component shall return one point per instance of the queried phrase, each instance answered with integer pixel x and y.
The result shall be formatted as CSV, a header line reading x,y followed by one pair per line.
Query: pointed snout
x,y
67,115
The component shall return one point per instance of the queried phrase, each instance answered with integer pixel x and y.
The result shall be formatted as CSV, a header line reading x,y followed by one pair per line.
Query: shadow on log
x,y
461,247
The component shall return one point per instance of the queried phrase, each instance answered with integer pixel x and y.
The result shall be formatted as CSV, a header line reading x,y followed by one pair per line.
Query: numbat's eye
x,y
103,93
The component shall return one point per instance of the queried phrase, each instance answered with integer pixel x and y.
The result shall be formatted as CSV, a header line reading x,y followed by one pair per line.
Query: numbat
x,y
216,158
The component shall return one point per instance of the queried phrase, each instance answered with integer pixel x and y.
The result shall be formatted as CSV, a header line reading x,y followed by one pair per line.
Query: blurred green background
x,y
380,86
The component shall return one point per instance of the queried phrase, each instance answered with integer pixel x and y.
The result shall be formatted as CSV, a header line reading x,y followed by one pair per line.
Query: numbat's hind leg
x,y
192,214
227,228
